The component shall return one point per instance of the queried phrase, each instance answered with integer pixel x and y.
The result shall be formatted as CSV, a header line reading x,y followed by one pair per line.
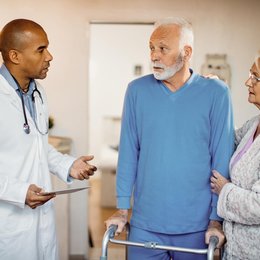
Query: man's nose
x,y
48,57
155,56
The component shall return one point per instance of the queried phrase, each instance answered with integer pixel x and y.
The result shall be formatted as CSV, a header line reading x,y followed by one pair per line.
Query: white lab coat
x,y
25,233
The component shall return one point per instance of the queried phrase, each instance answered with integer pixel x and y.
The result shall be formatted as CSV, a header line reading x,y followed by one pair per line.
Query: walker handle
x,y
213,241
110,233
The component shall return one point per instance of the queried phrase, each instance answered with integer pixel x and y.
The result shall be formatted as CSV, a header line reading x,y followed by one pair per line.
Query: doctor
x,y
27,228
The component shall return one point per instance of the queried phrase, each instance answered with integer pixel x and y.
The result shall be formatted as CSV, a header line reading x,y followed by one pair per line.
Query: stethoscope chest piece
x,y
36,94
26,128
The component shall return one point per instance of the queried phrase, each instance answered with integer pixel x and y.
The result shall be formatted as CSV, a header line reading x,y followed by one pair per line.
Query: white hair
x,y
186,37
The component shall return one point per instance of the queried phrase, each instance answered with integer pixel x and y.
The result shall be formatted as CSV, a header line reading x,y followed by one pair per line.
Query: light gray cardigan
x,y
239,201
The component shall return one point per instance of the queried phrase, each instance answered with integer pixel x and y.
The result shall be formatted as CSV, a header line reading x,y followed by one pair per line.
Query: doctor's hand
x,y
81,170
33,197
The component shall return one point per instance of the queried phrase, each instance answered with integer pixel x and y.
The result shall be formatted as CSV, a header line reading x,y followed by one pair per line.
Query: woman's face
x,y
253,84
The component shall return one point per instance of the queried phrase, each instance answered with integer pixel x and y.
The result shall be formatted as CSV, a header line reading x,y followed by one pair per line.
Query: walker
x,y
110,234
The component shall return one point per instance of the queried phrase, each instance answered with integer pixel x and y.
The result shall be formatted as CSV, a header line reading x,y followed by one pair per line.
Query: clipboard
x,y
65,191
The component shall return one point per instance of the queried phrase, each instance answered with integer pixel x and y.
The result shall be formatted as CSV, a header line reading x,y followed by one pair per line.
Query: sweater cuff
x,y
223,199
123,202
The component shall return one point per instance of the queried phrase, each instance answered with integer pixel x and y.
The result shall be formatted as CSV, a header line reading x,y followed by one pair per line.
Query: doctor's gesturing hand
x,y
81,170
34,199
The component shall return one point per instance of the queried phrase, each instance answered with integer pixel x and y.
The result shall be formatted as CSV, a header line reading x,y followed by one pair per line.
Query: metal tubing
x,y
153,245
213,241
110,233
127,230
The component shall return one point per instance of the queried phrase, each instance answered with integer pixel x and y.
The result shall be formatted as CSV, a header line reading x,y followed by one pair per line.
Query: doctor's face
x,y
166,56
34,57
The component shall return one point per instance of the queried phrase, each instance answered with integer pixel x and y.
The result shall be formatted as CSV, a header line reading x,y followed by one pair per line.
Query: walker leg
x,y
110,233
213,241
127,228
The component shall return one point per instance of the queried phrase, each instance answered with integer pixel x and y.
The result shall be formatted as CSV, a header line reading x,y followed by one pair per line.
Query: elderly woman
x,y
239,198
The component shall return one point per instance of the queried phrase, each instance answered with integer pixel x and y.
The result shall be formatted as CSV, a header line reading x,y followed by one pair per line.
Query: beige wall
x,y
221,26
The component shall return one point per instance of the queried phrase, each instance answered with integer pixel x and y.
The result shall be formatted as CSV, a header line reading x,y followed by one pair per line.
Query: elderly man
x,y
176,127
27,228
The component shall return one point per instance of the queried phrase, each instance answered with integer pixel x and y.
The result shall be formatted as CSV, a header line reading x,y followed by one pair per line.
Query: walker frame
x,y
110,234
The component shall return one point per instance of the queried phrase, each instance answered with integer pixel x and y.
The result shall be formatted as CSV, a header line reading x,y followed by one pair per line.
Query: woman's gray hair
x,y
186,37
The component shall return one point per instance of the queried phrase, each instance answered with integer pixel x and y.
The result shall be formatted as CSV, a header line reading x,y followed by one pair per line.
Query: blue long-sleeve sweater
x,y
170,142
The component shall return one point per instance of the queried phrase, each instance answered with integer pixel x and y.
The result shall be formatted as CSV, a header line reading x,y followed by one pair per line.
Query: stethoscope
x,y
35,94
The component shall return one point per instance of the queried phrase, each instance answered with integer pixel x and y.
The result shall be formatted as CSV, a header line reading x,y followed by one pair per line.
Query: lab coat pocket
x,y
14,219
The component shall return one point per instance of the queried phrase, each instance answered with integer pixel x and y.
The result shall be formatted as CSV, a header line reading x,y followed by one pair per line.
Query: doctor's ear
x,y
14,56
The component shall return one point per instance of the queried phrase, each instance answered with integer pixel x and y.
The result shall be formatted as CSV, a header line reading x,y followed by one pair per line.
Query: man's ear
x,y
187,52
14,56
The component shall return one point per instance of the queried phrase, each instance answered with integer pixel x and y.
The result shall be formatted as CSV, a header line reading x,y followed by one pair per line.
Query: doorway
x,y
119,53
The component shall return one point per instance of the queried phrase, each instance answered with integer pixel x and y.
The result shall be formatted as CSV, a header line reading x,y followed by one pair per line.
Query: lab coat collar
x,y
6,89
9,78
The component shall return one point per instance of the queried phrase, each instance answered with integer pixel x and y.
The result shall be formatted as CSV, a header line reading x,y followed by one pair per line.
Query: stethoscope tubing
x,y
26,126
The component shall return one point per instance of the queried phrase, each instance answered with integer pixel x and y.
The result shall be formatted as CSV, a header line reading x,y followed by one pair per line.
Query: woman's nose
x,y
248,82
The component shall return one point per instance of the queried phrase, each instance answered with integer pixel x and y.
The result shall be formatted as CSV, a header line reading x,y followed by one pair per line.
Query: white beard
x,y
170,71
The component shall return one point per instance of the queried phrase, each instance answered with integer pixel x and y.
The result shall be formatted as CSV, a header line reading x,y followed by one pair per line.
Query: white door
x,y
118,54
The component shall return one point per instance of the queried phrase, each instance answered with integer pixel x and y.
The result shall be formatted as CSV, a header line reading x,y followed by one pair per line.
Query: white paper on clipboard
x,y
65,191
